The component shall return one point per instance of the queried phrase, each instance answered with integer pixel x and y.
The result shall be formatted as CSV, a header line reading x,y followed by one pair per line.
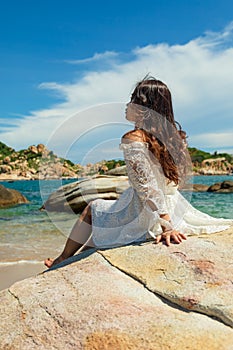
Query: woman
x,y
157,163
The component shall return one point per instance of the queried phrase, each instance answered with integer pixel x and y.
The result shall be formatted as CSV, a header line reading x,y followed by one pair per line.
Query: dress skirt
x,y
127,219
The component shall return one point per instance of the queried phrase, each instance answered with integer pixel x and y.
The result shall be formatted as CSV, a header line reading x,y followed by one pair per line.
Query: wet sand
x,y
13,272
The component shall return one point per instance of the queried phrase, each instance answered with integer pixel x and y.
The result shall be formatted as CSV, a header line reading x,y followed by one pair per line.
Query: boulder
x,y
222,187
10,197
195,187
142,296
41,148
218,187
33,149
5,169
215,187
7,160
200,188
118,171
196,275
78,194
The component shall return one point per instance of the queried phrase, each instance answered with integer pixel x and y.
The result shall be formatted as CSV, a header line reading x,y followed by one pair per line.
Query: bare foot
x,y
50,262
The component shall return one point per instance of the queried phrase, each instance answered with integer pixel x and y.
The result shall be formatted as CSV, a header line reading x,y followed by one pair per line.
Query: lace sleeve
x,y
148,182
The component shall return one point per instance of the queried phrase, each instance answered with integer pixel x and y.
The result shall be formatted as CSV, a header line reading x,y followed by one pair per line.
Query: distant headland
x,y
37,162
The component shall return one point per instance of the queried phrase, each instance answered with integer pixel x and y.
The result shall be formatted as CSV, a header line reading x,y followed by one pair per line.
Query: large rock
x,y
76,195
195,187
118,171
222,187
147,296
9,197
5,169
196,275
33,149
41,148
200,188
218,187
7,160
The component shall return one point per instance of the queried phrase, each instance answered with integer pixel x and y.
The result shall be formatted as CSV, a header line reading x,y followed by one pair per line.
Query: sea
x,y
29,234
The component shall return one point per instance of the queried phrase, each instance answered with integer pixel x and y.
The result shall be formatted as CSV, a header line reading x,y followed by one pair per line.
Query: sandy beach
x,y
16,271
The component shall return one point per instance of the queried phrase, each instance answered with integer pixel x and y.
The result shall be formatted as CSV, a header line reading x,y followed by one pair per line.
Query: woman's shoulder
x,y
136,135
134,140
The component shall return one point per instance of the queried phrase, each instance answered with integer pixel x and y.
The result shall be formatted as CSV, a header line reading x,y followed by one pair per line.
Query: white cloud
x,y
214,140
107,55
199,74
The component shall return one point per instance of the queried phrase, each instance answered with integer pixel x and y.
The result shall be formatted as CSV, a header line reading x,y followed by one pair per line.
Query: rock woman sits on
x,y
158,163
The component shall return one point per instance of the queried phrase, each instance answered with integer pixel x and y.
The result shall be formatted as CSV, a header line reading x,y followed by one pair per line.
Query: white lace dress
x,y
136,214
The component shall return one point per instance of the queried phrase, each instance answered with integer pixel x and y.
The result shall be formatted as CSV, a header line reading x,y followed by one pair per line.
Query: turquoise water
x,y
33,191
215,204
26,233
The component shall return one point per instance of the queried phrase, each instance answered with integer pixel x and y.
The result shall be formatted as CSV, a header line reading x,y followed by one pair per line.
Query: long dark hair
x,y
166,141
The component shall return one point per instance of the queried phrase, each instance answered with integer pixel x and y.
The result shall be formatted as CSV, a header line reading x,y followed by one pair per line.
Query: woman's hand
x,y
170,235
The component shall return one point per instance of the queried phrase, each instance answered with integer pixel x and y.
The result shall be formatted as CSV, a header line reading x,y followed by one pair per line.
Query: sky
x,y
67,69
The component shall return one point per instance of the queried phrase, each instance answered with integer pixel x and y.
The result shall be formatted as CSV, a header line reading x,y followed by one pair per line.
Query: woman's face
x,y
130,112
134,113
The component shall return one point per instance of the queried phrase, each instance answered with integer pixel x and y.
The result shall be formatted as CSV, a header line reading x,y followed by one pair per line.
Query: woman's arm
x,y
149,186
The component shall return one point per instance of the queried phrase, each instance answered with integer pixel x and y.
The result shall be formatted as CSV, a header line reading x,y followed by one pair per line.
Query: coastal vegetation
x,y
33,163
198,155
205,163
38,162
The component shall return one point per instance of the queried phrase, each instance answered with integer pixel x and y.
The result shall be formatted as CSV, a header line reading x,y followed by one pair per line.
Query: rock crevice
x,y
186,304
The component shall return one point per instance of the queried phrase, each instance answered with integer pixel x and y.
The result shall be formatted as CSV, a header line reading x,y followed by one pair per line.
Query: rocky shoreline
x,y
10,197
34,163
76,195
37,162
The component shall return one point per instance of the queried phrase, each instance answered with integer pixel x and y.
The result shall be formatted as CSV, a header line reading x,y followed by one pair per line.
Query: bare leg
x,y
78,237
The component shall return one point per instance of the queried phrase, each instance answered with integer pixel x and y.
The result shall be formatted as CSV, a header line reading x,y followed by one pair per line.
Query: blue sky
x,y
60,57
